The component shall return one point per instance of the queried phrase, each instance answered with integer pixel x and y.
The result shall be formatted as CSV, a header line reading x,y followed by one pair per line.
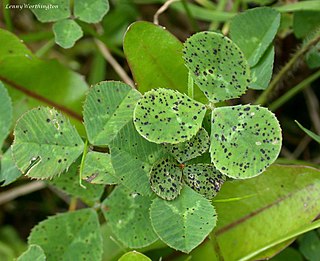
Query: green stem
x,y
6,15
190,86
45,48
85,151
293,91
263,98
194,24
213,239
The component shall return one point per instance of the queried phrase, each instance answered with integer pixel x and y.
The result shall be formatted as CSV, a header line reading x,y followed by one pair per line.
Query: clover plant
x,y
155,147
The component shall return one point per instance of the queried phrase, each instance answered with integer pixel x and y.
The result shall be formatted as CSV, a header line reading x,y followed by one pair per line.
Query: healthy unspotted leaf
x,y
67,32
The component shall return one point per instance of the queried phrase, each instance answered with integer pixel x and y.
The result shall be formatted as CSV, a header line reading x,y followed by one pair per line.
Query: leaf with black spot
x,y
45,140
245,140
190,149
204,179
165,178
98,169
167,116
217,66
107,109
128,216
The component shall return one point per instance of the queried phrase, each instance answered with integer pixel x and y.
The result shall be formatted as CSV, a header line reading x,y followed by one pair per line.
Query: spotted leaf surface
x,y
204,179
217,66
45,139
69,236
69,184
98,169
192,148
108,107
164,115
165,178
128,216
132,157
185,222
245,140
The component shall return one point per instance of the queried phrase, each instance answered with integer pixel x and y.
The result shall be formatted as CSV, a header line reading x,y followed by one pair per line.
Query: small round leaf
x,y
128,216
190,149
245,140
204,179
165,178
69,236
45,140
217,65
185,222
108,108
164,115
67,32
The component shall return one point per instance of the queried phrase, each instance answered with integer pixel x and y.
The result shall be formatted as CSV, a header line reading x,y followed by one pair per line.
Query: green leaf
x,y
8,171
311,5
128,216
186,222
313,57
304,22
245,140
261,73
309,245
66,33
273,207
134,256
5,113
45,139
190,149
217,66
254,40
34,252
51,10
165,178
164,115
108,107
69,236
98,169
132,157
155,57
69,183
204,179
30,85
288,254
90,11
310,133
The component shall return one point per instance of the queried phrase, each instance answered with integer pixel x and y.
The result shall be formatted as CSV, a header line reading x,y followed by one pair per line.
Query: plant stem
x,y
45,48
293,91
85,151
6,15
190,85
263,98
73,204
213,239
193,22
